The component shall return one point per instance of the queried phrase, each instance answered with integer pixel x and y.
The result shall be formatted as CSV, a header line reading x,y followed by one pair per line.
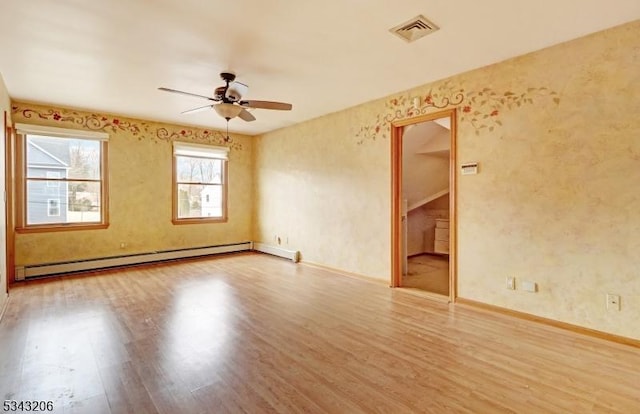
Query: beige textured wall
x,y
140,156
325,194
557,136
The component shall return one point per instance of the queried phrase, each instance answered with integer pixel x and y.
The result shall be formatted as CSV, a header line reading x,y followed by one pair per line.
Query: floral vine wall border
x,y
139,129
482,109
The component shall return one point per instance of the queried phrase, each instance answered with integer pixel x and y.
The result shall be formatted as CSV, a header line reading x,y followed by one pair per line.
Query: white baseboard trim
x,y
277,251
366,278
470,303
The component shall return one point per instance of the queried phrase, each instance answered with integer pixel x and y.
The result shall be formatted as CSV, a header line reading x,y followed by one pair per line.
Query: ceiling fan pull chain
x,y
227,139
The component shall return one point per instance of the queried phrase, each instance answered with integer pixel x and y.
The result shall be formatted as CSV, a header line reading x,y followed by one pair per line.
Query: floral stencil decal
x,y
403,107
139,129
481,109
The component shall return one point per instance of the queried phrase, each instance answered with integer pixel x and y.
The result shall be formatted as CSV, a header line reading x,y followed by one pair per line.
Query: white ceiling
x,y
322,56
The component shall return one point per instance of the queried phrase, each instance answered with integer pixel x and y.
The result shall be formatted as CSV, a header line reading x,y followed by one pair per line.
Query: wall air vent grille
x,y
414,29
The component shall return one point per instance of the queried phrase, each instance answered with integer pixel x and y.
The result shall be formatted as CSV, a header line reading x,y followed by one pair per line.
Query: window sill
x,y
199,220
65,227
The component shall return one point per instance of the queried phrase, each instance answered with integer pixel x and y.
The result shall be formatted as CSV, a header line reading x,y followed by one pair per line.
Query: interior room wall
x,y
421,225
555,134
324,194
140,190
424,173
4,107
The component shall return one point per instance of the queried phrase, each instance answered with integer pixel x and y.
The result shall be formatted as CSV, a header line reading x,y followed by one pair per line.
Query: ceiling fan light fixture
x,y
227,110
228,100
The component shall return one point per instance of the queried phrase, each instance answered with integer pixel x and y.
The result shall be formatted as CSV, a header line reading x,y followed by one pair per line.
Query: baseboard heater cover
x,y
23,272
277,251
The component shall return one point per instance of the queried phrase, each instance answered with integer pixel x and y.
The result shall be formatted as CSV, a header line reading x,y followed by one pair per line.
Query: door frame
x,y
397,131
9,212
9,222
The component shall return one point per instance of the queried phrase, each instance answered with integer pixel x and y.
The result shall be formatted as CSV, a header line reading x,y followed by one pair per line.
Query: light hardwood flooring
x,y
256,334
428,272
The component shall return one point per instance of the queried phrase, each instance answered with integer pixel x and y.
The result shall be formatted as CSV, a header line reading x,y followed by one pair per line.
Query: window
x,y
199,183
62,178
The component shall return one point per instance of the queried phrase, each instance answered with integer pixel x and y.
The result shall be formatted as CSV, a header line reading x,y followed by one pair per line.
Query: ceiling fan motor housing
x,y
228,76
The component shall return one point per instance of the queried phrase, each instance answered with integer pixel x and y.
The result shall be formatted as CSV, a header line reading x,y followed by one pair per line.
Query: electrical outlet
x,y
511,283
123,245
613,302
528,286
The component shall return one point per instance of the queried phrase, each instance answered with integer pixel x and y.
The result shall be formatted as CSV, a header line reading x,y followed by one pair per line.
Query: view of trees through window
x,y
199,182
63,180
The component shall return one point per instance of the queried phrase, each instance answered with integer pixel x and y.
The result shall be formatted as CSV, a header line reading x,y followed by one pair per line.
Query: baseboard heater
x,y
277,251
50,269
126,260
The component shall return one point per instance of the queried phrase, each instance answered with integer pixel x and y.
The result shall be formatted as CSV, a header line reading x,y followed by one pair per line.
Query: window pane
x,y
197,201
69,158
70,202
199,170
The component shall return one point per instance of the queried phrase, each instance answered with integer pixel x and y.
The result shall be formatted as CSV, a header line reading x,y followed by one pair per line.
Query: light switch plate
x,y
469,168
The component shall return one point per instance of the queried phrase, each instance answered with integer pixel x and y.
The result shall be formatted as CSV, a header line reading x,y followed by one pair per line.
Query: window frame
x,y
175,183
22,131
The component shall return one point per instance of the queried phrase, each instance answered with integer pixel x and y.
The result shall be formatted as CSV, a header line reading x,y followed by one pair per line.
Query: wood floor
x,y
428,272
256,334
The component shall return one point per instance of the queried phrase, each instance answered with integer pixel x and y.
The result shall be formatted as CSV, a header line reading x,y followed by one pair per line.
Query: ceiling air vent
x,y
414,29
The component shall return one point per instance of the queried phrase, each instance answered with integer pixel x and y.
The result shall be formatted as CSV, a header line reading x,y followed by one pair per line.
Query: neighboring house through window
x,y
62,174
53,209
53,175
199,183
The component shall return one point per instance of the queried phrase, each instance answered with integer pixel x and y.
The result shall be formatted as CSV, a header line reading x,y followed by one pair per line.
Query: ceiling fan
x,y
228,100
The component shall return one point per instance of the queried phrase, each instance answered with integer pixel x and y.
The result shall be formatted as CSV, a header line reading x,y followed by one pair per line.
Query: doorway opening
x,y
423,203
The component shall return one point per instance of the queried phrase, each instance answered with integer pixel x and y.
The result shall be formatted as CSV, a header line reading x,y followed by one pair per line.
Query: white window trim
x,y
188,149
47,131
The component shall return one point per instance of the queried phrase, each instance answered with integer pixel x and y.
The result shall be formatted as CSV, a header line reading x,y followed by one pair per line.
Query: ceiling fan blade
x,y
281,106
236,91
246,116
198,109
187,93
